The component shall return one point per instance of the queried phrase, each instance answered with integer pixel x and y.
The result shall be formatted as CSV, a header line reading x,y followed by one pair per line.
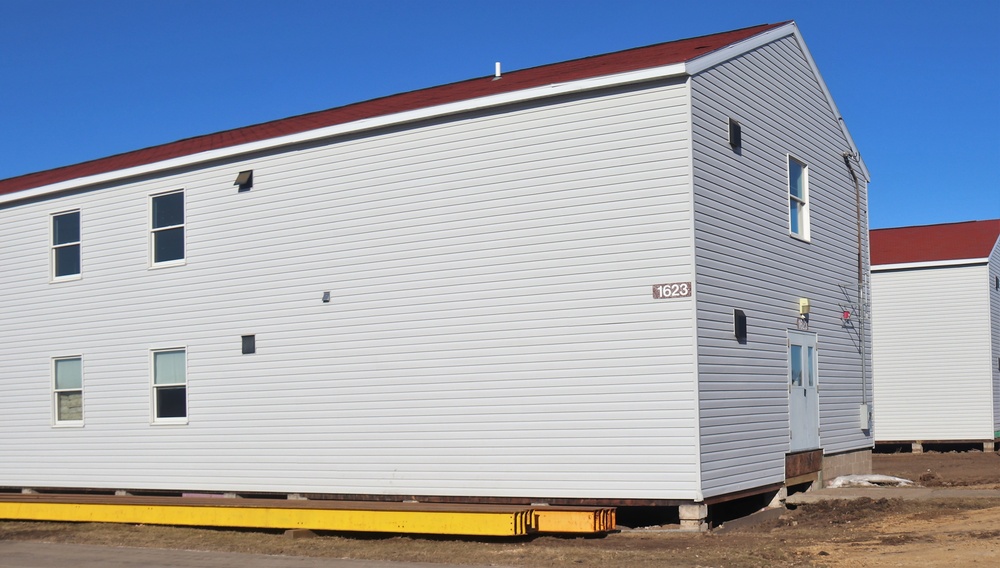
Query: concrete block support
x,y
778,501
694,517
848,463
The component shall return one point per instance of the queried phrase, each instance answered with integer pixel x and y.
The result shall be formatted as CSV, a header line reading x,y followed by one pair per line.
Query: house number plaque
x,y
672,290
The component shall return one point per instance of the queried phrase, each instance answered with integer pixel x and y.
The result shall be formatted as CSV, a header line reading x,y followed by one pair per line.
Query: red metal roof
x,y
929,243
589,67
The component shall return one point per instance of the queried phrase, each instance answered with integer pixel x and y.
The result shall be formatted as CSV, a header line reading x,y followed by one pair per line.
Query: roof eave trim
x,y
929,264
735,49
714,58
555,89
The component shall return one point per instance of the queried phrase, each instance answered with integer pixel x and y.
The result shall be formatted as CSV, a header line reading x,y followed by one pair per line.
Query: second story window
x,y
167,228
66,246
798,199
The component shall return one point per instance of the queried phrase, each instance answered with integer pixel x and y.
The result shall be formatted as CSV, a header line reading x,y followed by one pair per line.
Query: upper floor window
x,y
65,251
798,198
170,385
67,392
167,228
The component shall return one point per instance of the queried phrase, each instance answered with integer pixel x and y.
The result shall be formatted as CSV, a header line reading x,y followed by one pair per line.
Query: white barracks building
x,y
615,281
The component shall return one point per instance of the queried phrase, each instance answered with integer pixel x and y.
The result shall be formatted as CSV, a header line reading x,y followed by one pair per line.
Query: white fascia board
x,y
829,100
929,264
555,89
709,60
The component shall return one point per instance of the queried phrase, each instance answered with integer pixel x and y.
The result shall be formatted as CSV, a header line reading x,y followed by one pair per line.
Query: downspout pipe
x,y
848,157
857,211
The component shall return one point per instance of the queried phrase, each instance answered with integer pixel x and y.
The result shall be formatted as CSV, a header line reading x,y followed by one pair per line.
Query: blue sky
x,y
917,81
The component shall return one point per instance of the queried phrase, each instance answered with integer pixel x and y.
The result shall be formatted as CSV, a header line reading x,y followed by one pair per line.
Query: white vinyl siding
x,y
491,329
746,261
994,293
933,372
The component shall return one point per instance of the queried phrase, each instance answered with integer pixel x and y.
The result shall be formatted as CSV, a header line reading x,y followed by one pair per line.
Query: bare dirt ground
x,y
860,533
951,469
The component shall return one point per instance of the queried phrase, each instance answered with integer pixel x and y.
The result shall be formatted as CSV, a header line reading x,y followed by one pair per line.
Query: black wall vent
x,y
249,344
244,180
735,134
740,326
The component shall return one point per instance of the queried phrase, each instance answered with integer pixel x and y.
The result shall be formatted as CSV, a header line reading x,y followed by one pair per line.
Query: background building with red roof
x,y
936,332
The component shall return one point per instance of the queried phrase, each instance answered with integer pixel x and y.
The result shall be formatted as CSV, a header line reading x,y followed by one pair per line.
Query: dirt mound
x,y
841,511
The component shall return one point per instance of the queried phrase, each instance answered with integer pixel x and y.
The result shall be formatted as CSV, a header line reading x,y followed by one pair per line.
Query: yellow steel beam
x,y
479,523
574,520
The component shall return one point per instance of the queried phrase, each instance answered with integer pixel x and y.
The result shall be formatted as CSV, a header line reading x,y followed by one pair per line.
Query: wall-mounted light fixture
x,y
804,307
326,297
244,180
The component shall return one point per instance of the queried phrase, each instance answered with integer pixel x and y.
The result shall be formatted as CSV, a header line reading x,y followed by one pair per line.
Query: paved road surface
x,y
46,555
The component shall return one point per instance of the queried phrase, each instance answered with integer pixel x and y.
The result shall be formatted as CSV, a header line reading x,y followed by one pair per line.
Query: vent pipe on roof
x,y
497,72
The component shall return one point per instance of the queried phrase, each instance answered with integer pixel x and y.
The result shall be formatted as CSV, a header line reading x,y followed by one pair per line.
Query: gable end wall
x,y
933,377
747,260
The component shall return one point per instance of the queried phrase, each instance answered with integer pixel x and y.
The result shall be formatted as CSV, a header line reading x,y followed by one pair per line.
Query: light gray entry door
x,y
803,399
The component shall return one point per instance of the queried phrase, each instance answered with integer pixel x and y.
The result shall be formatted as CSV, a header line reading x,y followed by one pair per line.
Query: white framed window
x,y
166,229
798,198
67,391
169,385
65,246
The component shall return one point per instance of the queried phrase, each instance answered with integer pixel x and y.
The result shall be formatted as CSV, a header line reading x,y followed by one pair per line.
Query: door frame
x,y
803,415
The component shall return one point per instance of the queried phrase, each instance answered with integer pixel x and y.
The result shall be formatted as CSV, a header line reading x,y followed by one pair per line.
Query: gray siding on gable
x,y
491,329
747,260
